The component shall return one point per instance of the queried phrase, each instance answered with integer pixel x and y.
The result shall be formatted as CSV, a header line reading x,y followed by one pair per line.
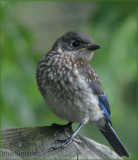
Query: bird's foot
x,y
64,143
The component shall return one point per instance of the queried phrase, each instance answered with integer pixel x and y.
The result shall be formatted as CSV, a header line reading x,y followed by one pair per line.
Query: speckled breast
x,y
63,88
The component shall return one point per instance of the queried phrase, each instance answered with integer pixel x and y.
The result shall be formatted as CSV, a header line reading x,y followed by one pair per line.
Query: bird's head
x,y
77,44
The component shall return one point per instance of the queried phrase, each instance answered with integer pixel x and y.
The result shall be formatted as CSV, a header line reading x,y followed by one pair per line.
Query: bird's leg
x,y
67,141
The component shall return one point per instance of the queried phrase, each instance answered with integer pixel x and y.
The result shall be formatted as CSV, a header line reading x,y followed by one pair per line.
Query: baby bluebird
x,y
71,88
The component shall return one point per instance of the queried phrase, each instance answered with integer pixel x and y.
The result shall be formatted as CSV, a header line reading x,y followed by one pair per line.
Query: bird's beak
x,y
93,47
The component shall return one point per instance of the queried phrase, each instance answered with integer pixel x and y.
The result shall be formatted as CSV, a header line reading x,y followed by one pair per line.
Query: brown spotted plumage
x,y
71,88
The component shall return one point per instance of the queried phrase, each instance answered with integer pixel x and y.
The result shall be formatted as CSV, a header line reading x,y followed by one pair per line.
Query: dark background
x,y
29,30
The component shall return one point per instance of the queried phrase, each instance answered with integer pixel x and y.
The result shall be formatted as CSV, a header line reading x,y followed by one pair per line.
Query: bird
x,y
71,87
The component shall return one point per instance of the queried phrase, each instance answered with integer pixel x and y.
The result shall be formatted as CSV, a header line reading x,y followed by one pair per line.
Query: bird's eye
x,y
76,43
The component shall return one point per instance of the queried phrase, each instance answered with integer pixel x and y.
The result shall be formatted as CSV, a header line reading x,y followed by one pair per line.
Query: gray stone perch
x,y
35,143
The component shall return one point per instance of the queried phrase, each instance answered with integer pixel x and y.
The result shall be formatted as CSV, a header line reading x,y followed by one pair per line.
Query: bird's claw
x,y
77,139
63,140
64,143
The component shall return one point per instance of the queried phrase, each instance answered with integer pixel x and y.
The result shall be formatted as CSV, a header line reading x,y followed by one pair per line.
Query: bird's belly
x,y
76,106
66,111
68,95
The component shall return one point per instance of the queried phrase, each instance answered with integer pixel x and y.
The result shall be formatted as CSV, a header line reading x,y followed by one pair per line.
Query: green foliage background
x,y
28,31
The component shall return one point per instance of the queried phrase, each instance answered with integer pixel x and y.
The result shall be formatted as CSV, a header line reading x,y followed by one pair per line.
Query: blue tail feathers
x,y
114,140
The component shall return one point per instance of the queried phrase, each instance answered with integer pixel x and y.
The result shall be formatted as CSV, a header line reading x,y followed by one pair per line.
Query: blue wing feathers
x,y
96,88
106,113
105,102
94,84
